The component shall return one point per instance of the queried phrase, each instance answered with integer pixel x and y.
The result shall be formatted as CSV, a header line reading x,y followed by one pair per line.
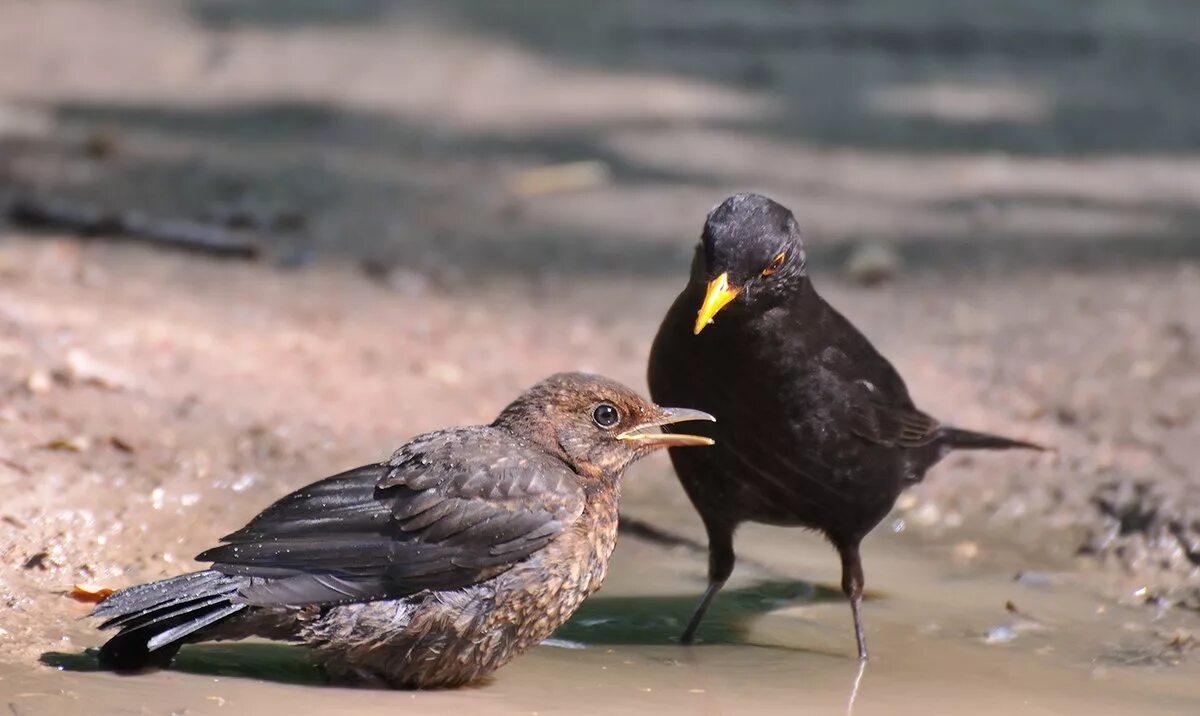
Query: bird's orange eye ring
x,y
775,263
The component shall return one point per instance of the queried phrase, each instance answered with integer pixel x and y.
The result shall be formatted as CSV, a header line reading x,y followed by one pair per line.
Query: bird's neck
x,y
539,434
805,294
800,296
542,435
596,528
602,492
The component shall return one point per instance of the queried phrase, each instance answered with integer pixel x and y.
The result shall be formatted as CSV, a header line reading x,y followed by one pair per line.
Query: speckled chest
x,y
547,588
457,636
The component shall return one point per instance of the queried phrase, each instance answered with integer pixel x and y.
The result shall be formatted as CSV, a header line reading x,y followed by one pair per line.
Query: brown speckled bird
x,y
432,569
816,428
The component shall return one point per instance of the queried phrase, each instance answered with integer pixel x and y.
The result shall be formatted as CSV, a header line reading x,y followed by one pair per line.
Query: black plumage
x,y
816,428
431,569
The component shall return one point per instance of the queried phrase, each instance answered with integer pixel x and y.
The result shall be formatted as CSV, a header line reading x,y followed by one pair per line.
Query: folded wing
x,y
894,423
449,509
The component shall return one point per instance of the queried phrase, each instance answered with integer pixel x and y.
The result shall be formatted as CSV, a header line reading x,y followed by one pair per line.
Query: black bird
x,y
816,428
432,569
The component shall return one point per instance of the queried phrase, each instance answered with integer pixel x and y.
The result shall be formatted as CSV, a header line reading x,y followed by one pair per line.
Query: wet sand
x,y
158,431
774,646
155,432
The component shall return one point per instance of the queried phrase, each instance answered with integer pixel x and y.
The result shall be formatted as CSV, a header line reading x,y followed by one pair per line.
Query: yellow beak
x,y
719,294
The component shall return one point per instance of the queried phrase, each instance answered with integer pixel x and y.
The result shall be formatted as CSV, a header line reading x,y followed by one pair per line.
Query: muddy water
x,y
772,645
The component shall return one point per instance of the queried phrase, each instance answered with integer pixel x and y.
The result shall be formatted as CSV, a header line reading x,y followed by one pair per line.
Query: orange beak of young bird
x,y
719,294
648,435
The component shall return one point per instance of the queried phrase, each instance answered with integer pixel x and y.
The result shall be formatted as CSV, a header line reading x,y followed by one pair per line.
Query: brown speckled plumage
x,y
455,637
433,569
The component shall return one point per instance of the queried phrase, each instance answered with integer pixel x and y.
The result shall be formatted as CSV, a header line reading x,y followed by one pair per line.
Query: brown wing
x,y
873,419
449,509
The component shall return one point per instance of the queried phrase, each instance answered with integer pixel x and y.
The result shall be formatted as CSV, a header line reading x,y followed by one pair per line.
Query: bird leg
x,y
720,566
852,587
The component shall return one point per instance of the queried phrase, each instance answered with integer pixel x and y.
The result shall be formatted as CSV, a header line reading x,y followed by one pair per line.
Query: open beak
x,y
648,435
719,294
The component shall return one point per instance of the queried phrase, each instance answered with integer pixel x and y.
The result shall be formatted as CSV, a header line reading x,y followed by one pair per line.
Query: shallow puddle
x,y
943,638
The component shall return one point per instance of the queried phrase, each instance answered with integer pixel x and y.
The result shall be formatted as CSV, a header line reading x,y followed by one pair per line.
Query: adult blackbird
x,y
432,569
816,428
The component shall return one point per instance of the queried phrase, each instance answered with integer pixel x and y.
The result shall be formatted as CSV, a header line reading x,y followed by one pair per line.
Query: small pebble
x,y
1032,578
82,369
39,381
1000,635
927,515
245,482
966,550
445,373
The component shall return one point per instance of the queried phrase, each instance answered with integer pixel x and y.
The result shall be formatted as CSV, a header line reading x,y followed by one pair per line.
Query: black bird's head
x,y
750,251
597,425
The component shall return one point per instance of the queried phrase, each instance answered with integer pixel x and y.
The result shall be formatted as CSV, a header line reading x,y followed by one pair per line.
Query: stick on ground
x,y
54,214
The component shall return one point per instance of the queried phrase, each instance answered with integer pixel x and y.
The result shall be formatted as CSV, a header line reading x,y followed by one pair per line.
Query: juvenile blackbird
x,y
432,569
816,428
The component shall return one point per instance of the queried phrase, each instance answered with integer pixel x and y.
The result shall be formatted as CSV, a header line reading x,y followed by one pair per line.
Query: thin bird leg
x,y
852,587
720,566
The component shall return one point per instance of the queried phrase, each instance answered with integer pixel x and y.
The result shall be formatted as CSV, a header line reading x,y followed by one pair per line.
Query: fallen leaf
x,y
120,443
556,178
90,593
78,443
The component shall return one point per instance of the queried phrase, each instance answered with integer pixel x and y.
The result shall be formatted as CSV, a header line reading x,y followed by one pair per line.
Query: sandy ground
x,y
1035,166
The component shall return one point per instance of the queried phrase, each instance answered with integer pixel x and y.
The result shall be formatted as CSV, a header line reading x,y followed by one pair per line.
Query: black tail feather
x,y
127,652
154,619
958,439
153,595
172,613
176,633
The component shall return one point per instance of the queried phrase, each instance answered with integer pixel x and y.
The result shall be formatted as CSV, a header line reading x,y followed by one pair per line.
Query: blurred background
x,y
245,243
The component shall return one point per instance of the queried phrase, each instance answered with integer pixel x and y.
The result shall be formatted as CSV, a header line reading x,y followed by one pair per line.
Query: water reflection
x,y
619,620
657,620
281,663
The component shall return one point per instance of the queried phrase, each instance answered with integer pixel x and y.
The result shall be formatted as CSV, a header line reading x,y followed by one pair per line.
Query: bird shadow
x,y
659,620
282,663
608,621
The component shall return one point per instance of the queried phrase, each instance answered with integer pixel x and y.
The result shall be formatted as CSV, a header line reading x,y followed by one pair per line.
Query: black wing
x,y
449,509
900,425
879,408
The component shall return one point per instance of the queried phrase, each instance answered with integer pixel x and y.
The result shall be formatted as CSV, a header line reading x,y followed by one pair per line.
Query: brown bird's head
x,y
596,425
750,252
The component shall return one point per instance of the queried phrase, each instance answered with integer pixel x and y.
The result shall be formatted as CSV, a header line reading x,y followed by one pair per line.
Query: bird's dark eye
x,y
775,263
605,415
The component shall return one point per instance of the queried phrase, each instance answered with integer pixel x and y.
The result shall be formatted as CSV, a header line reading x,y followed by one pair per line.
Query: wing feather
x,y
448,509
902,425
